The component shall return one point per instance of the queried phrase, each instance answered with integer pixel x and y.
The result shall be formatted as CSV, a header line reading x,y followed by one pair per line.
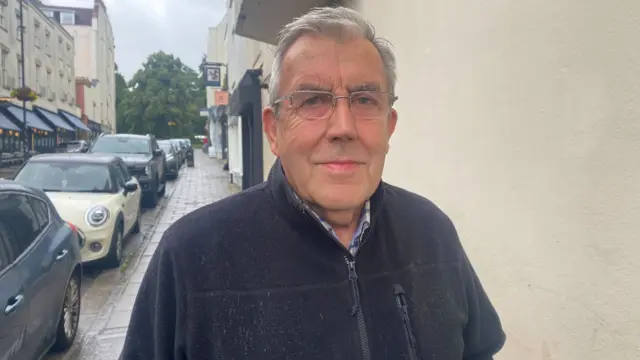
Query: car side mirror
x,y
157,152
130,186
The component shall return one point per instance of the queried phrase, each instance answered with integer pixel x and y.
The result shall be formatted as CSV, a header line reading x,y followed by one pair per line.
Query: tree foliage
x,y
163,98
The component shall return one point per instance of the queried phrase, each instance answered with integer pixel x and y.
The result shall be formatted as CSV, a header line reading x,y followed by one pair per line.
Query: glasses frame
x,y
391,97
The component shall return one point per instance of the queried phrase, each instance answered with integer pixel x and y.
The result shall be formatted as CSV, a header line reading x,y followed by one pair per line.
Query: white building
x,y
521,120
94,59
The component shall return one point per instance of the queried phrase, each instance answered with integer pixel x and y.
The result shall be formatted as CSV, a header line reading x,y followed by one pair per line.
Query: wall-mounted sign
x,y
221,98
213,76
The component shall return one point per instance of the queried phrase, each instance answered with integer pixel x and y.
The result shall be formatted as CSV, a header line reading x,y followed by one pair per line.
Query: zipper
x,y
356,309
401,301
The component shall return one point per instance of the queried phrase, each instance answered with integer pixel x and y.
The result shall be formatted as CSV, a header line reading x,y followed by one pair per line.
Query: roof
x,y
7,124
74,158
131,136
74,120
10,185
32,119
53,118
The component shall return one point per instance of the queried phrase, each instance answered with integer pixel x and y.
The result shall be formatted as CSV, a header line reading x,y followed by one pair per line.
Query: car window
x,y
118,176
6,253
125,172
19,220
41,212
66,177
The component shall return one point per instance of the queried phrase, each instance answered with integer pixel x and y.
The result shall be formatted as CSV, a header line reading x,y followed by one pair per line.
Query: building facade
x,y
94,60
49,71
520,119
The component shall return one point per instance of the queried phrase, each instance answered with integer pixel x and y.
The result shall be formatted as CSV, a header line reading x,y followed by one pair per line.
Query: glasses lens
x,y
312,104
369,104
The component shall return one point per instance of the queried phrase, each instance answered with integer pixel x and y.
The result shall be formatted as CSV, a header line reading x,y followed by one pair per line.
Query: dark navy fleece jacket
x,y
255,277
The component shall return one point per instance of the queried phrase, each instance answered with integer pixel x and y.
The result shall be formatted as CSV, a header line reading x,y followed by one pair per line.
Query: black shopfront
x,y
246,102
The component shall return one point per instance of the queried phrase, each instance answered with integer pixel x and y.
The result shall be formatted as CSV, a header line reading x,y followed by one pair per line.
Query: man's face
x,y
335,162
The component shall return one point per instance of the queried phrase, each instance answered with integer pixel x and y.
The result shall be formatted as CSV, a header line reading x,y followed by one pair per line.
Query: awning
x,y
7,124
33,121
253,24
246,93
53,118
74,120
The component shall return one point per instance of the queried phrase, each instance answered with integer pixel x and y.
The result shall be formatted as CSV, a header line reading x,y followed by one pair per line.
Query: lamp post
x,y
25,131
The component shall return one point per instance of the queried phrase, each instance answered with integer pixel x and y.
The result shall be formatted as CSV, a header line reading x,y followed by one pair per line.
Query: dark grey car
x,y
40,275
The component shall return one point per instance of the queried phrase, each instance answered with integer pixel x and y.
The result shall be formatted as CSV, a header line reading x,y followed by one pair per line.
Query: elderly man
x,y
323,260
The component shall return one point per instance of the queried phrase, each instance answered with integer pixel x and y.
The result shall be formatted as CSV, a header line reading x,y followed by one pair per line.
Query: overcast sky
x,y
141,27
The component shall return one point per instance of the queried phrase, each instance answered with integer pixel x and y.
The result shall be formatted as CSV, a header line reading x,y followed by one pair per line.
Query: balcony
x,y
262,20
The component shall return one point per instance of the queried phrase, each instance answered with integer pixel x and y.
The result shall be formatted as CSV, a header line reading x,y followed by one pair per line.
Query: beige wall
x,y
49,62
521,119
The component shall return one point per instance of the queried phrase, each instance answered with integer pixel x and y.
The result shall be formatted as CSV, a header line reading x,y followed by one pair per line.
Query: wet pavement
x,y
108,295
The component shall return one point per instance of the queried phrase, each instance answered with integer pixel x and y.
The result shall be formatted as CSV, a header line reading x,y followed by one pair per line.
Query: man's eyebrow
x,y
311,87
365,87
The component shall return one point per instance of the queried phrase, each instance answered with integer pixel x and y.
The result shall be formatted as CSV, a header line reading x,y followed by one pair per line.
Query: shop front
x,y
41,137
63,131
9,138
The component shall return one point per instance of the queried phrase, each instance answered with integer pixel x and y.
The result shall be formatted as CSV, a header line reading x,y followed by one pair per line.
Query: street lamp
x,y
25,131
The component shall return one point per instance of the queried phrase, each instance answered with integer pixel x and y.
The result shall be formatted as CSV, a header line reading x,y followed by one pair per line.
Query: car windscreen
x,y
121,145
177,143
66,177
166,146
69,146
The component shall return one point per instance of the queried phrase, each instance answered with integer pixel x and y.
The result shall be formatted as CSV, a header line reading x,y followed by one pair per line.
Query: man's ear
x,y
391,125
270,128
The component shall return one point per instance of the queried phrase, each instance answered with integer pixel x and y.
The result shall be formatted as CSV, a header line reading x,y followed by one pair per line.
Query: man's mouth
x,y
341,165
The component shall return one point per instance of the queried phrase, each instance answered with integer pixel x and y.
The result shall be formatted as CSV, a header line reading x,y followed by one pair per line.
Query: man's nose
x,y
342,124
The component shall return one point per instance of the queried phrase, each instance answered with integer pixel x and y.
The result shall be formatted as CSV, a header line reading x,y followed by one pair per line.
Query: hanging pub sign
x,y
213,75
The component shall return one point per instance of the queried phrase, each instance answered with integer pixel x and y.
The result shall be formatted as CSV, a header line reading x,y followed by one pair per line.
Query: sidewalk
x,y
196,187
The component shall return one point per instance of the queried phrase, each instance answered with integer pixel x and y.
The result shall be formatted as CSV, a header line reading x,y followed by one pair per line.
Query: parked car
x,y
182,153
173,165
143,157
94,192
186,143
40,275
75,146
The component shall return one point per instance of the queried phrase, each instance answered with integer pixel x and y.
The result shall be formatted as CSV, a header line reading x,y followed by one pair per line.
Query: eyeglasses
x,y
312,104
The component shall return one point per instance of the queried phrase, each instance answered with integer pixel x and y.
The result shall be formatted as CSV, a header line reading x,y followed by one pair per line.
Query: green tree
x,y
121,95
163,98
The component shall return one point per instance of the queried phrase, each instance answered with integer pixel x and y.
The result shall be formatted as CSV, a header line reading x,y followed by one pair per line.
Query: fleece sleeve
x,y
155,329
483,334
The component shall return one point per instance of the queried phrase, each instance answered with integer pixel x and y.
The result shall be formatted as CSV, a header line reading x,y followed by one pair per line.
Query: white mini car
x,y
93,192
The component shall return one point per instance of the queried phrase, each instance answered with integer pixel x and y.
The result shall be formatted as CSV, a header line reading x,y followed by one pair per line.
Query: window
x,y
3,15
36,33
41,211
49,82
38,68
118,176
3,63
47,41
19,71
48,13
124,170
67,18
20,221
18,32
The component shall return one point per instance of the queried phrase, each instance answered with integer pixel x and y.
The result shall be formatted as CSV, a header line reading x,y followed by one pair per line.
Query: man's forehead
x,y
318,63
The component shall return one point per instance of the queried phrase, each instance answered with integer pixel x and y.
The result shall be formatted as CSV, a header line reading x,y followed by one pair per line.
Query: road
x,y
108,295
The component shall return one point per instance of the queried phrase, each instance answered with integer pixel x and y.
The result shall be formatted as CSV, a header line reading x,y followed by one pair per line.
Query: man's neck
x,y
344,222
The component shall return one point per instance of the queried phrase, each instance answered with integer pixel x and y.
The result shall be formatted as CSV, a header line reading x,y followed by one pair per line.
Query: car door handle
x,y
62,254
13,304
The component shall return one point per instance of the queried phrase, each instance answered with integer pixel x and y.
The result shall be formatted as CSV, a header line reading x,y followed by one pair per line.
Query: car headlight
x,y
147,170
97,216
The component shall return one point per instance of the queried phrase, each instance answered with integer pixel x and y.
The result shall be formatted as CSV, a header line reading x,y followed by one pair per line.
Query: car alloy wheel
x,y
71,309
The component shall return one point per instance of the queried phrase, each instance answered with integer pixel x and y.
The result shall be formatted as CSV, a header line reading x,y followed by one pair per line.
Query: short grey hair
x,y
339,23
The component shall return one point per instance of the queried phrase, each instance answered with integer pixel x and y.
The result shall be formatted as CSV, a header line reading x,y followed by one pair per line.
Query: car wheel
x,y
114,257
152,196
164,182
136,226
69,316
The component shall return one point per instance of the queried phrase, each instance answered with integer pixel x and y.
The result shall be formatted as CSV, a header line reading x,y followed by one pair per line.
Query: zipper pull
x,y
403,307
353,280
